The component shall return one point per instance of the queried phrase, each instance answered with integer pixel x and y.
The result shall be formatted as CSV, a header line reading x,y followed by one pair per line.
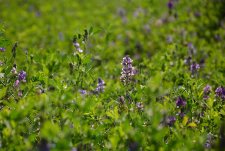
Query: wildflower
x,y
2,49
181,114
171,120
139,105
16,84
100,86
194,67
170,4
77,46
220,92
208,143
83,92
206,91
22,76
128,70
180,102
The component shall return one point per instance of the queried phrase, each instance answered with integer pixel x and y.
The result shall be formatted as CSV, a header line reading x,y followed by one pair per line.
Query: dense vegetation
x,y
112,75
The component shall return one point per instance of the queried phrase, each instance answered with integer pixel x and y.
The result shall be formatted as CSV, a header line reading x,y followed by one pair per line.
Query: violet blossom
x,y
100,86
220,92
128,70
180,102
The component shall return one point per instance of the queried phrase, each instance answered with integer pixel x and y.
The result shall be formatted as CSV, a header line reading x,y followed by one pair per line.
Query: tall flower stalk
x,y
128,71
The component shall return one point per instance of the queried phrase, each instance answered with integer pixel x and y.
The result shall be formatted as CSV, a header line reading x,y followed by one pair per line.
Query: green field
x,y
112,75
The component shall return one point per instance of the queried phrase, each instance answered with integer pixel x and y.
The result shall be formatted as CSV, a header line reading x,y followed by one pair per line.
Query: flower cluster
x,y
21,77
180,102
2,49
128,70
171,120
209,141
100,86
220,92
194,68
77,46
140,106
206,91
170,4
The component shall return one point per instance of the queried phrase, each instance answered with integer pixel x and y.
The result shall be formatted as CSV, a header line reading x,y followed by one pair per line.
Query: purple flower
x,y
194,67
77,46
220,92
2,49
209,140
206,91
22,76
100,86
83,92
171,120
170,4
181,114
180,102
128,70
16,84
139,105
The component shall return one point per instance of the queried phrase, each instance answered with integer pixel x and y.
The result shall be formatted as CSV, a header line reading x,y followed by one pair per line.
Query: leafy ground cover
x,y
112,75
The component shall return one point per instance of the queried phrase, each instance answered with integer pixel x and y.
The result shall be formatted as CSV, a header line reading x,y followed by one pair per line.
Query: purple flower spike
x,y
170,4
2,49
180,102
220,92
22,76
207,89
194,67
100,86
139,105
171,120
128,70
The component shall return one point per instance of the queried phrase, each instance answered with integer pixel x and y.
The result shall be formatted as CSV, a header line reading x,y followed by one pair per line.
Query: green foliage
x,y
59,105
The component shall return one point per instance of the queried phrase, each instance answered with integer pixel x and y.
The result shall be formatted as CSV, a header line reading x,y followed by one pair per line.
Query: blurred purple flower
x,y
206,91
171,120
180,102
128,70
16,84
77,46
220,92
100,86
194,67
83,92
2,49
209,140
139,105
22,76
181,114
170,4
